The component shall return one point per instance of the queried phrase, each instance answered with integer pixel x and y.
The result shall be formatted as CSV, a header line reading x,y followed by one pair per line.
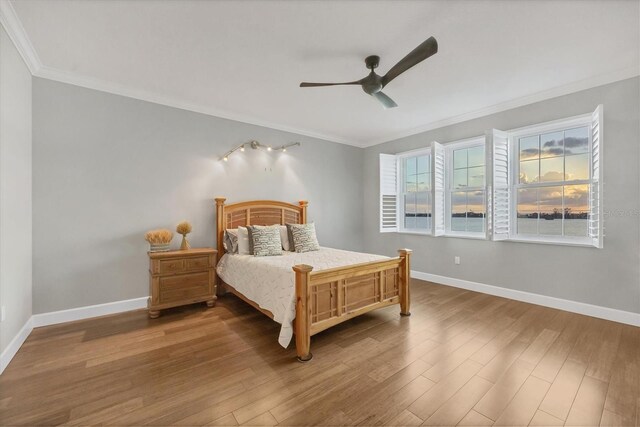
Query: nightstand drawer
x,y
175,288
171,265
199,263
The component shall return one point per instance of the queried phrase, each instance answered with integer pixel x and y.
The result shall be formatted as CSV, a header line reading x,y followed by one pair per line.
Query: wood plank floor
x,y
462,358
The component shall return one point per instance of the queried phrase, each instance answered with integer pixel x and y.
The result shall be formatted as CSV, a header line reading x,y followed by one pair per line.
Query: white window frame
x,y
542,128
449,149
426,151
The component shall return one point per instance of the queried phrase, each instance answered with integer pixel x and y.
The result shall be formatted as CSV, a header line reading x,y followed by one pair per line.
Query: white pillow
x,y
284,238
243,241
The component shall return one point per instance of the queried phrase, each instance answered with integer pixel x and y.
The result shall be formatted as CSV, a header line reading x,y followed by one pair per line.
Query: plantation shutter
x,y
498,185
437,189
388,193
596,226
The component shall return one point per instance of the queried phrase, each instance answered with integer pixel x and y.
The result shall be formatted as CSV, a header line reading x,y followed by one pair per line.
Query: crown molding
x,y
18,36
589,83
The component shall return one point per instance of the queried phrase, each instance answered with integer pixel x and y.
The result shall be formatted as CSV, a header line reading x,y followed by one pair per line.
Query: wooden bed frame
x,y
327,297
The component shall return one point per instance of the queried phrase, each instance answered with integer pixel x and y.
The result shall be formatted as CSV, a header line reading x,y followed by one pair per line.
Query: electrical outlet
x,y
456,260
3,312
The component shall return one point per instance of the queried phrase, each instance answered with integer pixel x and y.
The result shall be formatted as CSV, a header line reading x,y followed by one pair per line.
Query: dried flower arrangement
x,y
184,228
159,239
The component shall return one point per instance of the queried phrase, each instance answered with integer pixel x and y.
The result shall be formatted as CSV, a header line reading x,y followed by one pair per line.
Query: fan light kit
x,y
256,145
373,83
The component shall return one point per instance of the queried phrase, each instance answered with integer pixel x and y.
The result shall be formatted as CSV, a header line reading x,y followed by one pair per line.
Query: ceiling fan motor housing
x,y
372,61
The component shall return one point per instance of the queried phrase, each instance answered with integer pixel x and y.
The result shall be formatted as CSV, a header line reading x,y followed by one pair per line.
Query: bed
x,y
306,292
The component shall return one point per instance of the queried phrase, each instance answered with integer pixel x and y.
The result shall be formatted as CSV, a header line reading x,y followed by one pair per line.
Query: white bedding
x,y
270,281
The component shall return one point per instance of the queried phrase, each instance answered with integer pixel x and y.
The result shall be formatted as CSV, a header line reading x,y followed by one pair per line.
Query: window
x,y
538,184
415,209
466,188
411,191
553,187
553,179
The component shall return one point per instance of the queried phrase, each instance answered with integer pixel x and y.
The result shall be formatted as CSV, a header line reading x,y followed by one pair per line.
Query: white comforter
x,y
270,281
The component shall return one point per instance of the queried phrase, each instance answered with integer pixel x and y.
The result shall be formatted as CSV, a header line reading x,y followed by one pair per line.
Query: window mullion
x,y
553,183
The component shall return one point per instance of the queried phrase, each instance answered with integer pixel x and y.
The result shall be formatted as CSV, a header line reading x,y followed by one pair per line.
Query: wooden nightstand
x,y
180,278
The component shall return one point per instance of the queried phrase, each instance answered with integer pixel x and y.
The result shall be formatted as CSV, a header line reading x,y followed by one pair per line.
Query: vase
x,y
185,243
158,247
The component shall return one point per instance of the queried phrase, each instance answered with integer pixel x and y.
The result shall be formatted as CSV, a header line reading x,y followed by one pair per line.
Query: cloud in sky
x,y
572,141
545,199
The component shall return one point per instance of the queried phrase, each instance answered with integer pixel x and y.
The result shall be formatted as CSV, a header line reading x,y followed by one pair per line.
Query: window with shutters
x,y
541,183
412,191
555,181
465,165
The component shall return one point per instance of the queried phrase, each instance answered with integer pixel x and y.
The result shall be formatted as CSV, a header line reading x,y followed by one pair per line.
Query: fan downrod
x,y
372,62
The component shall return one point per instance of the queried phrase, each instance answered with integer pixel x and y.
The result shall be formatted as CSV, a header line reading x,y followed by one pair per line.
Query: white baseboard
x,y
15,345
547,301
87,312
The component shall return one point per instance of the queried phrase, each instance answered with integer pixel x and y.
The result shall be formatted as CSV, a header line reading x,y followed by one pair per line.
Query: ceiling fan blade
x,y
426,49
384,100
306,84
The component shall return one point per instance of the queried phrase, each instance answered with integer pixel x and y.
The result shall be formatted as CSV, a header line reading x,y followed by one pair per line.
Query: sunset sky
x,y
554,157
561,157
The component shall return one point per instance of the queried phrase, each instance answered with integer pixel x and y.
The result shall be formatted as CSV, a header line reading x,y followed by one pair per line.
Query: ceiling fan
x,y
373,83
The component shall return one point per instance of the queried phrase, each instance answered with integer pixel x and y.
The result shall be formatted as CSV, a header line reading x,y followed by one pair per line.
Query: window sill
x,y
417,233
467,236
556,242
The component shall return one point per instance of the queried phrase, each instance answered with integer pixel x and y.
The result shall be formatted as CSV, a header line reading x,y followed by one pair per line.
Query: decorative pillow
x,y
230,241
243,241
265,240
284,238
304,237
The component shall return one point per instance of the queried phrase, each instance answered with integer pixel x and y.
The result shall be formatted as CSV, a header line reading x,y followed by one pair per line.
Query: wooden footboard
x,y
328,297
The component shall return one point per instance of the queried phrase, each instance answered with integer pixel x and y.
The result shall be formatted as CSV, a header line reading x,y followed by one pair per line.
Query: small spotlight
x,y
269,148
284,150
242,148
225,158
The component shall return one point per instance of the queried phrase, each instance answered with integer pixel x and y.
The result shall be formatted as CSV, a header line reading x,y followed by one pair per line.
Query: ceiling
x,y
244,59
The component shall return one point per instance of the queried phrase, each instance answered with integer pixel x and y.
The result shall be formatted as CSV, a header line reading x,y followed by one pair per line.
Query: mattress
x,y
270,281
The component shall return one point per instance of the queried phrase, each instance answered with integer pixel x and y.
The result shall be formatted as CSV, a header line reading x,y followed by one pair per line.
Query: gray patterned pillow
x,y
304,237
265,241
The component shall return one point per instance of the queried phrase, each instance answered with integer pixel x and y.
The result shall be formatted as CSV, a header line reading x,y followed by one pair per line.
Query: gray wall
x,y
107,168
15,190
607,277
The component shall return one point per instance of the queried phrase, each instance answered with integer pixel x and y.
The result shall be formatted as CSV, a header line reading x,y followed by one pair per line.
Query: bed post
x,y
220,225
302,327
405,278
303,211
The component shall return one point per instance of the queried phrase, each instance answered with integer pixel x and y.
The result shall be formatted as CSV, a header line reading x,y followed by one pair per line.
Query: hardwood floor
x,y
462,358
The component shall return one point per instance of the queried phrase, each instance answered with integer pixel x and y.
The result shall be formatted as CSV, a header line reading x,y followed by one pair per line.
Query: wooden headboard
x,y
256,212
